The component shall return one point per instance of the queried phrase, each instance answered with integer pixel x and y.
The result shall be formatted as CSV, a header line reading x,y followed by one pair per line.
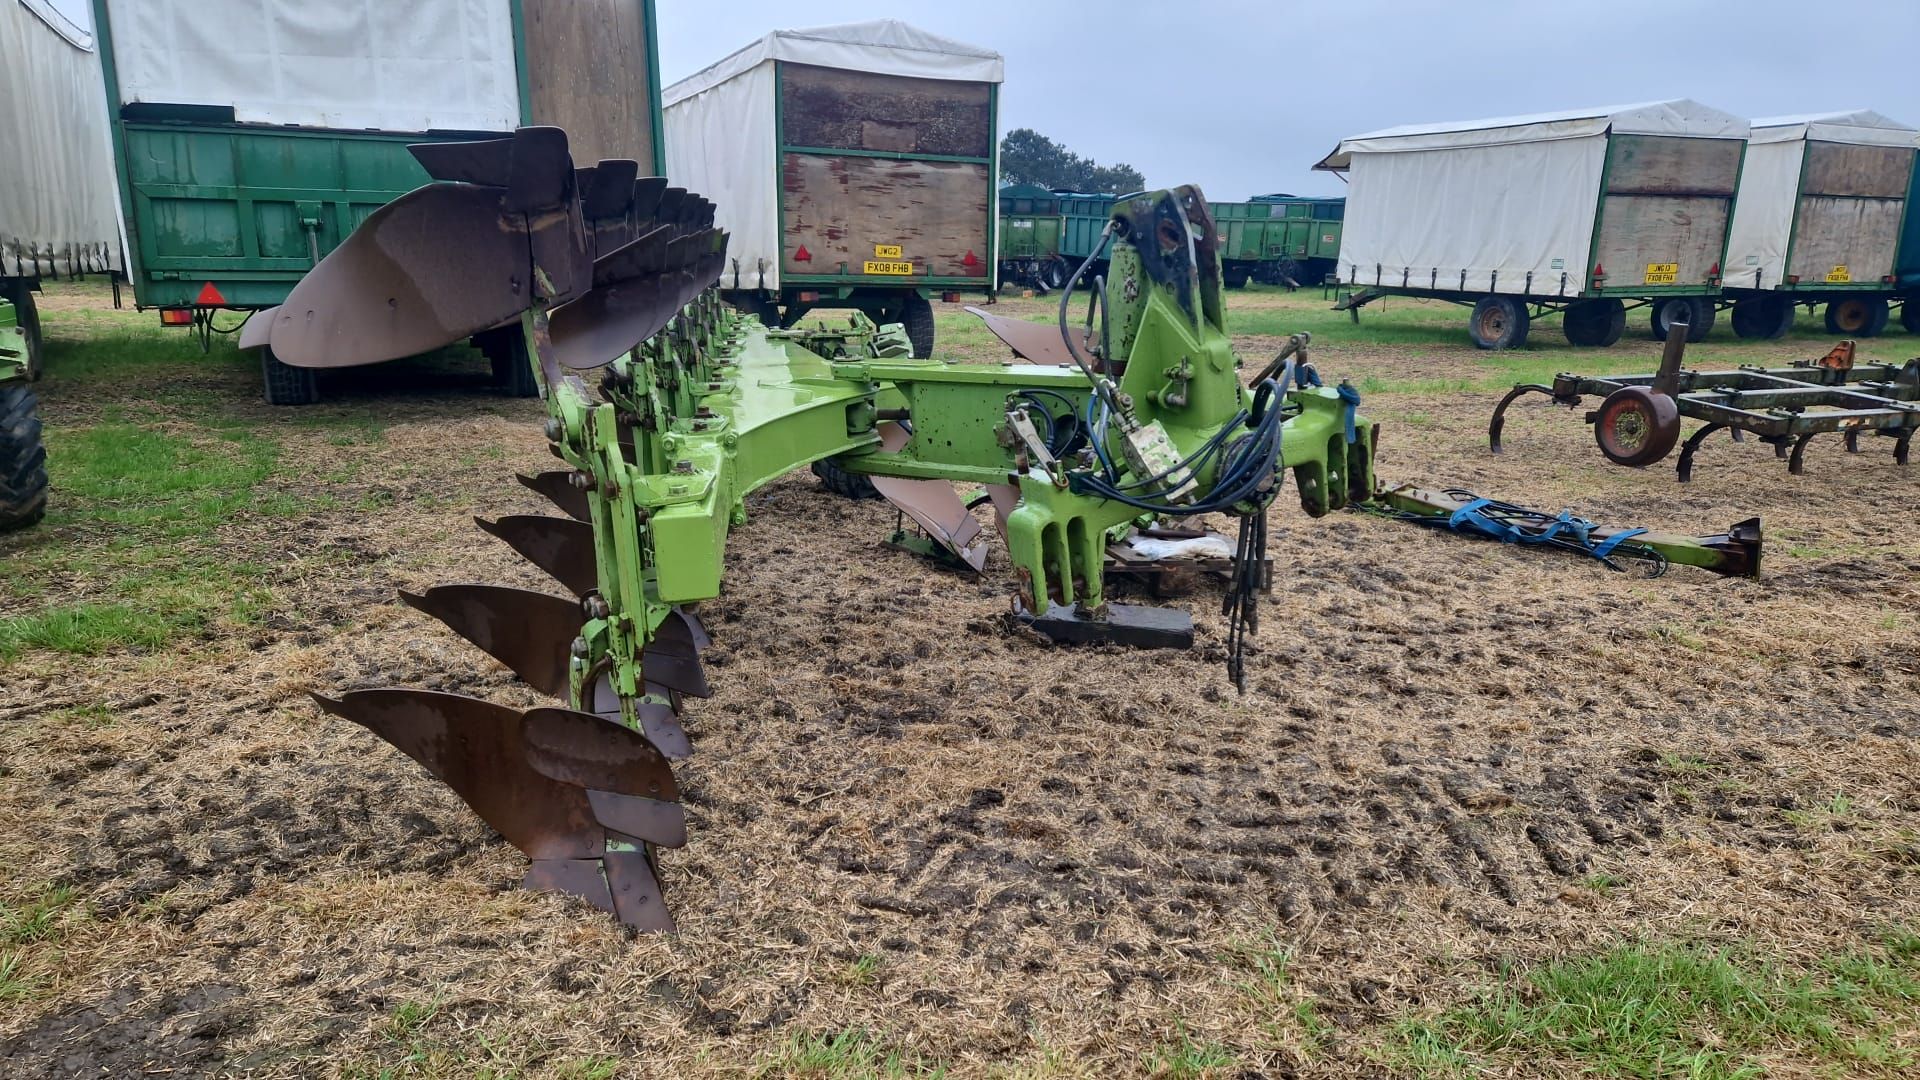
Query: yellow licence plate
x,y
1663,274
902,269
1839,274
887,251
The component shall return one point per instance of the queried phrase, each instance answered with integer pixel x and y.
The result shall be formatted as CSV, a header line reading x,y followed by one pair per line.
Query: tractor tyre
x,y
23,458
1636,426
917,316
849,485
506,351
1857,316
285,384
1594,324
1764,318
1499,322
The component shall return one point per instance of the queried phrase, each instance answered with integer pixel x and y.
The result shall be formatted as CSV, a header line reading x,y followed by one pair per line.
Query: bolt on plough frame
x,y
697,405
1639,420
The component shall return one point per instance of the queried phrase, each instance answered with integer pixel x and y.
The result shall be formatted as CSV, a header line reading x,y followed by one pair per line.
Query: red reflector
x,y
1793,279
1714,270
176,316
1599,271
1886,279
803,255
808,297
970,261
209,296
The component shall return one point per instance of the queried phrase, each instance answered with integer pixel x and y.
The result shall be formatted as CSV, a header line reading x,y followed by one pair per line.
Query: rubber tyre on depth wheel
x,y
1698,312
846,484
1762,318
284,384
27,314
505,348
1499,322
23,458
1857,316
1594,324
917,316
1636,426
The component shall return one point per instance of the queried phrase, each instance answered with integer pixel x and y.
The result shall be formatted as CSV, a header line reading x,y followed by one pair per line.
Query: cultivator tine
x,y
530,632
557,487
563,547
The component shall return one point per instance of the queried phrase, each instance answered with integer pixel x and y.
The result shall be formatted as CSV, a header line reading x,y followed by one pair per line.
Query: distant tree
x,y
1028,157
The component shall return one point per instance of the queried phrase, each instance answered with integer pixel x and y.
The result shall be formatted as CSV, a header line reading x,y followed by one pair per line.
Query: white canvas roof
x,y
1861,127
882,46
1677,117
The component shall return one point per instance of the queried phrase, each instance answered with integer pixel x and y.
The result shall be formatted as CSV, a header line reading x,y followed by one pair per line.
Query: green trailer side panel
x,y
1029,236
1083,218
1907,263
247,210
1324,242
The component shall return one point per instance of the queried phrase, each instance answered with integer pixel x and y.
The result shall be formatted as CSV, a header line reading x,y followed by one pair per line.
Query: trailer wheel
x,y
23,458
28,317
506,351
285,384
1766,318
1594,323
1235,279
1055,274
1499,322
1857,316
1697,311
917,315
1636,426
1910,313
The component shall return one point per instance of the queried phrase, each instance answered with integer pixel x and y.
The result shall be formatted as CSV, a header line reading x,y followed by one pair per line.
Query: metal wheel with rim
x,y
1636,426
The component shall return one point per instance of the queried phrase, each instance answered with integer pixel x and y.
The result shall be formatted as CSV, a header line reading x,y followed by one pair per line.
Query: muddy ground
x,y
968,849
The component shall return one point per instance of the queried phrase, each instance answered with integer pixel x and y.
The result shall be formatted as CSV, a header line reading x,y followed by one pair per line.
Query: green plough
x,y
1138,415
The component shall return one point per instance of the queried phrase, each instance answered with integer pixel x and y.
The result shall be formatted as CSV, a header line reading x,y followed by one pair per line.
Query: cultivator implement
x,y
696,405
1639,420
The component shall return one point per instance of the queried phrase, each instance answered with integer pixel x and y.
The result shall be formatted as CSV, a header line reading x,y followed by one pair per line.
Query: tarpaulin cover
x,y
1770,185
59,205
720,122
388,66
1491,205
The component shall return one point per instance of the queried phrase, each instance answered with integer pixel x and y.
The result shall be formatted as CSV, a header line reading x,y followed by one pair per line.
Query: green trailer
x,y
1906,268
234,185
1823,200
1083,223
853,167
1030,235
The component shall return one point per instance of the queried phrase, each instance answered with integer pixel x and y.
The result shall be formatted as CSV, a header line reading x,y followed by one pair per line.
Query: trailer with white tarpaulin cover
x,y
1822,201
1584,213
59,216
853,166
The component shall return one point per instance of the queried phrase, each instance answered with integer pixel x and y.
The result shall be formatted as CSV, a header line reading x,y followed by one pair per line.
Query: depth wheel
x,y
1499,322
23,458
1636,426
1594,324
848,485
1858,316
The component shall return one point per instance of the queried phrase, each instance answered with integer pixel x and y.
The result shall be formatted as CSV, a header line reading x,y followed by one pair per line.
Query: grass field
x,y
1484,812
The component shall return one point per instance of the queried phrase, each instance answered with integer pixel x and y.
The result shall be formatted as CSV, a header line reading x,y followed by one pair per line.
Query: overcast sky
x,y
1242,97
